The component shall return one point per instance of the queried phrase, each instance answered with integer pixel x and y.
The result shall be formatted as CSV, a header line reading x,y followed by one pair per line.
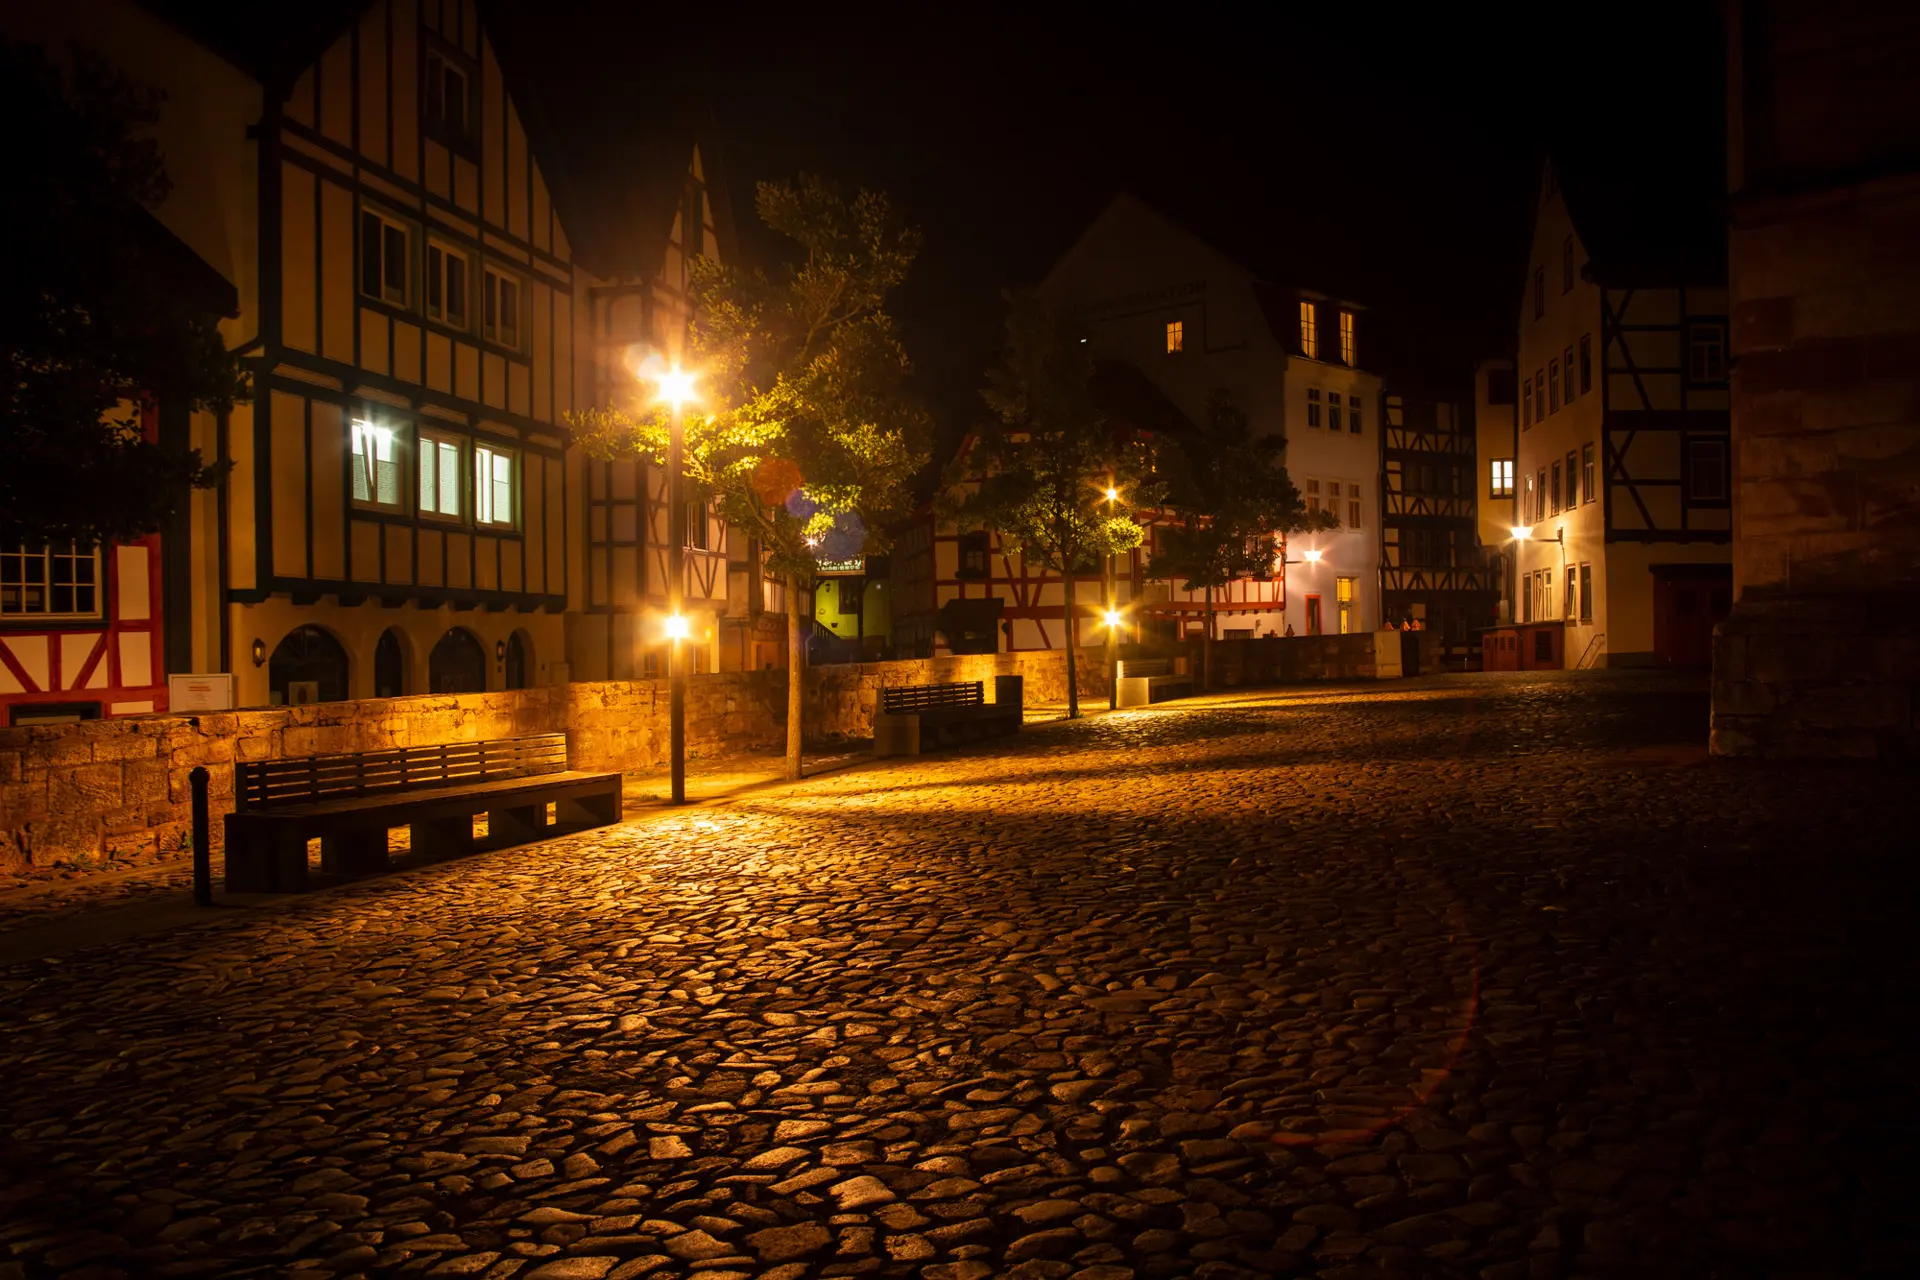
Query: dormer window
x,y
1346,338
447,100
1309,331
1176,337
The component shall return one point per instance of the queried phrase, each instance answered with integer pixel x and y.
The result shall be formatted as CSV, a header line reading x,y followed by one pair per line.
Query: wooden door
x,y
1685,612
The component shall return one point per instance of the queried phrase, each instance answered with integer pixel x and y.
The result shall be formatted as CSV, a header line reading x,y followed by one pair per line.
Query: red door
x,y
1686,608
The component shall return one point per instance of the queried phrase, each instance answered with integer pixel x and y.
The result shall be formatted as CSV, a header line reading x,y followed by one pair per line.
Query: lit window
x,y
492,485
1313,406
385,257
1526,505
1707,353
1176,337
376,467
1500,478
447,285
502,318
1353,505
1346,337
1309,331
439,475
59,580
1343,594
1573,599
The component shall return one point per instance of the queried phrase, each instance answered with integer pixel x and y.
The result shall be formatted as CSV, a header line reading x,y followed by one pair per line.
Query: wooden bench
x,y
910,719
1145,681
350,801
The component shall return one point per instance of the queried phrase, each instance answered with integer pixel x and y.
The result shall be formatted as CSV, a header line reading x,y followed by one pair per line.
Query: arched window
x,y
389,665
307,666
519,660
457,664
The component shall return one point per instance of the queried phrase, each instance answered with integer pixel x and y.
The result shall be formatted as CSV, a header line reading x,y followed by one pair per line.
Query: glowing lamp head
x,y
1313,556
678,628
1521,532
1112,493
1112,617
676,386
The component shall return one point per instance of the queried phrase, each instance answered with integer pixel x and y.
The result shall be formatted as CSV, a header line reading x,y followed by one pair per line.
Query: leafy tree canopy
x,y
90,320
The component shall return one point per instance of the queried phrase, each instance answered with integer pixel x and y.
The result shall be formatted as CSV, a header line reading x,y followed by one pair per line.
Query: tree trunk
x,y
1073,679
1206,648
796,675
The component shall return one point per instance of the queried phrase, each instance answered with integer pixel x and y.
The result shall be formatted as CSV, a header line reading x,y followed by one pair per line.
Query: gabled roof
x,y
1649,211
273,43
185,273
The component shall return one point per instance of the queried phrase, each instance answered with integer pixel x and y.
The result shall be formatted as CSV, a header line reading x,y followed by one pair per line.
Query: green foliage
x,y
804,415
1038,476
1234,500
86,319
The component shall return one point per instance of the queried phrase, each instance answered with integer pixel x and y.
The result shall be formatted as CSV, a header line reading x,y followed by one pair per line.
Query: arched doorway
x,y
390,665
307,666
457,664
519,660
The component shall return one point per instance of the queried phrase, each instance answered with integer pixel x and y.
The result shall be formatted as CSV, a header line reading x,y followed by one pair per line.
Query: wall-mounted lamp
x,y
499,650
259,653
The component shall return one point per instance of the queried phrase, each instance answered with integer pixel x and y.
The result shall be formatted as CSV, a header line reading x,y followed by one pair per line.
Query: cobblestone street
x,y
1479,976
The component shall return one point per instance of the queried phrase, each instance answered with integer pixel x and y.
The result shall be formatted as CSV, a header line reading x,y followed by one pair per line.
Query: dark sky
x,y
1355,147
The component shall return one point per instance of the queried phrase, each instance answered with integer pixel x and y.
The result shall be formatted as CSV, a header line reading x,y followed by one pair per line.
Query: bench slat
x,y
272,783
904,698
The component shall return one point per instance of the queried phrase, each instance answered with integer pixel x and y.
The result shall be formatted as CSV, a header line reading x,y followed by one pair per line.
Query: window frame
x,y
395,435
1354,512
513,459
1553,486
1176,337
434,123
1722,471
1716,376
974,542
1553,385
1348,346
1309,330
447,250
439,438
492,300
1346,603
1356,423
1313,406
46,554
1589,486
1499,482
693,523
1526,405
388,222
1586,591
1586,363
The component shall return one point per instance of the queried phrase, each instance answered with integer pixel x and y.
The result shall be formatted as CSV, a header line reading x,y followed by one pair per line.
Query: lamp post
x,y
1112,616
676,388
1521,533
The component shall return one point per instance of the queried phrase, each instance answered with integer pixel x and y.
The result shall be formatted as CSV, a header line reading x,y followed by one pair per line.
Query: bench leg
x,y
265,858
354,853
443,837
591,810
522,824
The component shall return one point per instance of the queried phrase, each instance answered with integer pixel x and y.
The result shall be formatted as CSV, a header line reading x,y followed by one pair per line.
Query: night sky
x,y
1350,148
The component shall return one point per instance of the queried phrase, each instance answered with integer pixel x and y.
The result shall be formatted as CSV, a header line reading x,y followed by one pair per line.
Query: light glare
x,y
1521,532
1313,556
677,627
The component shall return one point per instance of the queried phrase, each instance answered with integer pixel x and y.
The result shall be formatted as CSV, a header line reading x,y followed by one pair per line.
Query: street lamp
x,y
676,388
1112,613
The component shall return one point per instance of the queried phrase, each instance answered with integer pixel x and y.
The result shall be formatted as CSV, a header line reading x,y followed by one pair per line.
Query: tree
x,y
1038,477
1233,499
90,319
805,425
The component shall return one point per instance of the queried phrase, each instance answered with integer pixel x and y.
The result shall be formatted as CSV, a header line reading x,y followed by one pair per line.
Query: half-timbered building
x,y
1622,464
1432,573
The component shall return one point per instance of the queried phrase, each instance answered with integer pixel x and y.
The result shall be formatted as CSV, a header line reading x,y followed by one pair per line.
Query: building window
x,y
1333,410
1313,406
1500,478
1525,591
493,475
1539,395
58,580
385,257
1309,331
1553,491
448,104
1545,581
1539,293
376,467
1176,336
1313,496
1706,471
1573,481
1586,593
502,319
1354,423
1540,497
447,285
1526,405
973,555
1566,363
1553,385
1588,492
1572,600
1566,266
1353,505
1313,615
1346,338
1526,505
1706,353
695,513
1344,596
439,461
1586,363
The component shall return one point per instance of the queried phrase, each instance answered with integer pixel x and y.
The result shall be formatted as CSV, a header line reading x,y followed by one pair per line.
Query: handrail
x,y
1587,657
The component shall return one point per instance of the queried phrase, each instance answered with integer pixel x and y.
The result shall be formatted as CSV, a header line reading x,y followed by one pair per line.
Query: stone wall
x,y
1824,268
117,790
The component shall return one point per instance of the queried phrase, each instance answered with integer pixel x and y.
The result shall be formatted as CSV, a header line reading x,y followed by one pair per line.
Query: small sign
x,y
200,693
302,693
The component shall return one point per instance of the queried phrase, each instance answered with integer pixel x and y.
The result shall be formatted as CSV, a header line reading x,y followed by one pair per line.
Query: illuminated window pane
x,y
1176,336
1346,337
1309,331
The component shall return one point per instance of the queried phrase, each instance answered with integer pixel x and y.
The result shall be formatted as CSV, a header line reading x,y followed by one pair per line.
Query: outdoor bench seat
x,y
910,719
350,801
1145,681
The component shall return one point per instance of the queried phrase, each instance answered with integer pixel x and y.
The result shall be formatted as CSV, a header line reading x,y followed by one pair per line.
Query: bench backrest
x,y
925,697
263,784
1130,667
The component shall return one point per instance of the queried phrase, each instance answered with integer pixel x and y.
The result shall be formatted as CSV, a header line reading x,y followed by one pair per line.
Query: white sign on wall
x,y
200,693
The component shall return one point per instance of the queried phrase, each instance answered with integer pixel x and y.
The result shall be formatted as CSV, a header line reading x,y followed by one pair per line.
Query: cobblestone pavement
x,y
1465,976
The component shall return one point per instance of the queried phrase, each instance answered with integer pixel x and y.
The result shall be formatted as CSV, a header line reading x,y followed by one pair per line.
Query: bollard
x,y
202,839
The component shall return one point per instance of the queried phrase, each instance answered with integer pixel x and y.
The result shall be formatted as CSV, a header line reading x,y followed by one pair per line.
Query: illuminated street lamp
x,y
1112,613
676,388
